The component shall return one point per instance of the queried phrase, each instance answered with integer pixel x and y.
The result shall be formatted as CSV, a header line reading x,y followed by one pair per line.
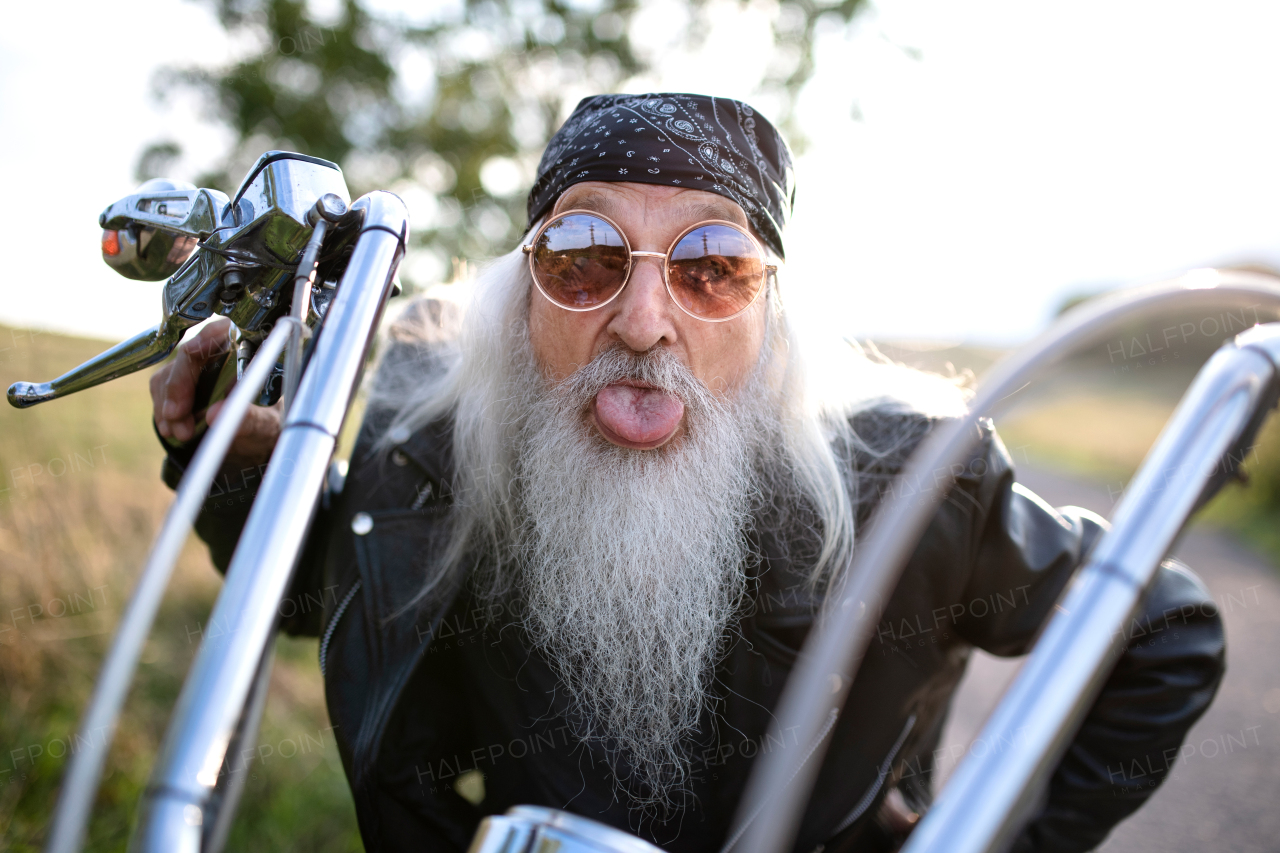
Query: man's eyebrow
x,y
713,210
598,202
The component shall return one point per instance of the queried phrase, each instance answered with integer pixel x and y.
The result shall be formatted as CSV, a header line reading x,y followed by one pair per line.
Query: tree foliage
x,y
450,110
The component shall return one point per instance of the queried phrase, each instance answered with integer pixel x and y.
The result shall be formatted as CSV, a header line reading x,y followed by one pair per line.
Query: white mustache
x,y
657,367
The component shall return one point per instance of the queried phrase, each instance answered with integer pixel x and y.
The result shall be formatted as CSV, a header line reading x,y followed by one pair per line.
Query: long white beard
x,y
632,562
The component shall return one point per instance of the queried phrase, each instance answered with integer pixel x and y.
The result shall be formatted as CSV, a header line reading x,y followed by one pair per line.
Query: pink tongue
x,y
640,415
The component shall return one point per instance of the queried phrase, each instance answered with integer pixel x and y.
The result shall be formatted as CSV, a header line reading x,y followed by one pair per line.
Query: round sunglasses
x,y
713,270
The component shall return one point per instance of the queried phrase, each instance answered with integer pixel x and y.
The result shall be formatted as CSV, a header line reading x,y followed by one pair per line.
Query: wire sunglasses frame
x,y
766,271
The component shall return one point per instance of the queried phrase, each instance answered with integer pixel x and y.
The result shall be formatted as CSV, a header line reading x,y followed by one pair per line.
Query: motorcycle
x,y
304,275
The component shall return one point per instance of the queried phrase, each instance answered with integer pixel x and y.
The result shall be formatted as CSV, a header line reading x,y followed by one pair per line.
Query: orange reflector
x,y
111,243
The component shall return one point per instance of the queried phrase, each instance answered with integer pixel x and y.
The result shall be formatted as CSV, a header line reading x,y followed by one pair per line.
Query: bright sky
x,y
1034,150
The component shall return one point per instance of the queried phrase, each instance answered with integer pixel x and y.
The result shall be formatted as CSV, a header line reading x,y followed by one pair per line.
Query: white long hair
x,y
451,365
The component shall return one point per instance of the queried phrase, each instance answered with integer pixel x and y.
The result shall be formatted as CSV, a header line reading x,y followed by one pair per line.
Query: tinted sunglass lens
x,y
715,271
580,261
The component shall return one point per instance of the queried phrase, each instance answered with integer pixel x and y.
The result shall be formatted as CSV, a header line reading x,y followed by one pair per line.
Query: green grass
x,y
80,501
1097,432
1091,420
1103,434
1101,429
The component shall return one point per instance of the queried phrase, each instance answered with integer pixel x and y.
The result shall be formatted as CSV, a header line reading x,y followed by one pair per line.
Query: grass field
x,y
81,499
1104,434
1093,421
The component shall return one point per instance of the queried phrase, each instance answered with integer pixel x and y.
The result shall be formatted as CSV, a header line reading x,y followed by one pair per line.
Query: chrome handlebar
x,y
991,796
816,690
272,251
80,781
175,806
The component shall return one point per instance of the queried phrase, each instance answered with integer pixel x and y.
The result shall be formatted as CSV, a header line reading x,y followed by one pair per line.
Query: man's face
x,y
720,355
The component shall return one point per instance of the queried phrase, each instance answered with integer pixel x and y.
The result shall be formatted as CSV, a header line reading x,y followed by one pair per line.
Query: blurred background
x,y
965,172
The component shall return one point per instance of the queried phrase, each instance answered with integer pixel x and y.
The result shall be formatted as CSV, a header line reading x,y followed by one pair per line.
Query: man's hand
x,y
173,389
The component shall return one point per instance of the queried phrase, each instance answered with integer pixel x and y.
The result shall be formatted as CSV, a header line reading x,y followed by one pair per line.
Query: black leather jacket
x,y
401,693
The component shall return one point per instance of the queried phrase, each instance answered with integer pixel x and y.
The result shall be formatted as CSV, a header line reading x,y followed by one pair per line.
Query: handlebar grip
x,y
216,379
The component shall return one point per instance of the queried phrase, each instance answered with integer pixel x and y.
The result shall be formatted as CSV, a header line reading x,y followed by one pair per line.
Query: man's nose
x,y
644,315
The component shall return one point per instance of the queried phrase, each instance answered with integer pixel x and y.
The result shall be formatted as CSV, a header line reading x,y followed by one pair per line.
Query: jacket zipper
x,y
333,624
869,797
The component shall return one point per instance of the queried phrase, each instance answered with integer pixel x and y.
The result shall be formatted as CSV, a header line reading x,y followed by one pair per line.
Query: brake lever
x,y
174,216
142,350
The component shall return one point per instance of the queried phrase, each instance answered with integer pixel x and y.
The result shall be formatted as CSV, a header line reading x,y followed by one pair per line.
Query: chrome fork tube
x,y
97,727
213,699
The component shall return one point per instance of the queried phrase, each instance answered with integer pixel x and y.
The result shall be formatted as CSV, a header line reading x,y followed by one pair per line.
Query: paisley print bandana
x,y
715,144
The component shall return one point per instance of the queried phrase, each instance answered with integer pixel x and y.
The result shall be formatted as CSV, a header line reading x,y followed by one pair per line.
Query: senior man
x,y
588,523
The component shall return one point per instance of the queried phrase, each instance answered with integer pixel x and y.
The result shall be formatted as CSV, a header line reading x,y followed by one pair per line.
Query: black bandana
x,y
715,144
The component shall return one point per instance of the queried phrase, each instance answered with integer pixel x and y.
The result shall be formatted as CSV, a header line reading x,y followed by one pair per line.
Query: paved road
x,y
1225,793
